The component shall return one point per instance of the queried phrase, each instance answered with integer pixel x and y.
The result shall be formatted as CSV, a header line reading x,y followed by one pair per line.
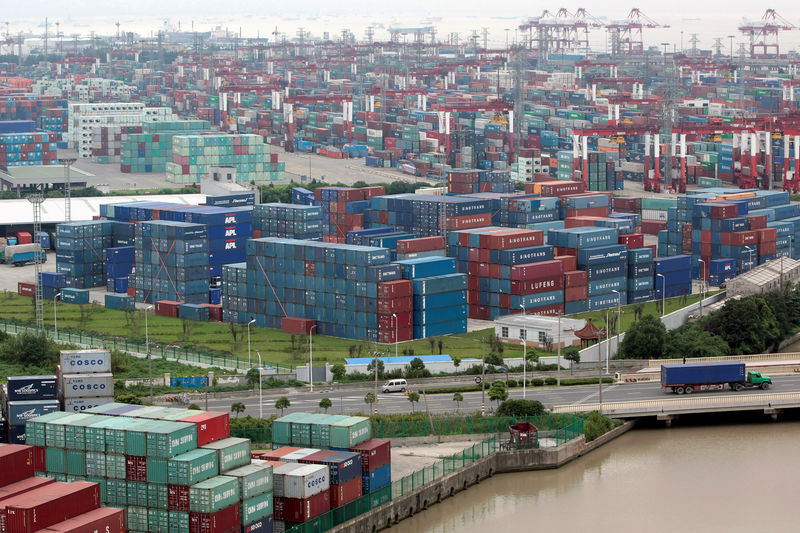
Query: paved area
x,y
408,459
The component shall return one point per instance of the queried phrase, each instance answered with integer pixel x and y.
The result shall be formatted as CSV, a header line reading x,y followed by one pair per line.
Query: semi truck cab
x,y
754,379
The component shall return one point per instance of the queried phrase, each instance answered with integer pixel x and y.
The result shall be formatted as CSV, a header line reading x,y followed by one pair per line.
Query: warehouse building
x,y
539,331
764,278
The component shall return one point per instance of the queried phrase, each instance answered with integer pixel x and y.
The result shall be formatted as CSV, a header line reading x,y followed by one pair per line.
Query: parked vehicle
x,y
395,385
691,377
20,254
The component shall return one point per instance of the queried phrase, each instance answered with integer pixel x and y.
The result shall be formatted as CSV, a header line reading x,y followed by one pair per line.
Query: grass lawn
x,y
274,345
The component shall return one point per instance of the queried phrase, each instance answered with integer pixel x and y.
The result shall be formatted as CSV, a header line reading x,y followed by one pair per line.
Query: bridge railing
x,y
656,363
685,404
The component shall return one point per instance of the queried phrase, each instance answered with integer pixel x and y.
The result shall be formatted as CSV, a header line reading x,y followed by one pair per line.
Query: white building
x,y
764,278
539,331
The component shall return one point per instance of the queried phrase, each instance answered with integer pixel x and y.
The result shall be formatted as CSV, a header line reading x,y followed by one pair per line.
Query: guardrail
x,y
656,363
683,405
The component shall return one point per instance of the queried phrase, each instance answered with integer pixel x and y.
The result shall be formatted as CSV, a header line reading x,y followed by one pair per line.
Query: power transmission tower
x,y
485,33
67,162
694,40
370,33
45,38
671,87
20,42
36,199
717,46
519,62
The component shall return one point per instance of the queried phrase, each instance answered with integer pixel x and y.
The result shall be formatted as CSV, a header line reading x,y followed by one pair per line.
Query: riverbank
x,y
406,505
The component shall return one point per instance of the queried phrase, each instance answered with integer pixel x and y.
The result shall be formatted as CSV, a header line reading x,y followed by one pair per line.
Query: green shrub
x,y
550,381
512,383
520,408
537,382
596,425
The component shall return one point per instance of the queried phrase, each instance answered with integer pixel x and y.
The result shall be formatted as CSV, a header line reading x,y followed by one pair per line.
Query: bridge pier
x,y
666,418
773,413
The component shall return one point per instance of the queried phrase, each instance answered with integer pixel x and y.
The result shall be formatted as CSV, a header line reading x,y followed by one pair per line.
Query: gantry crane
x,y
626,35
444,112
763,34
291,101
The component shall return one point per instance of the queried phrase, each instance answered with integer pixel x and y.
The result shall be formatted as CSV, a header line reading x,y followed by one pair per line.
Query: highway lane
x,y
352,401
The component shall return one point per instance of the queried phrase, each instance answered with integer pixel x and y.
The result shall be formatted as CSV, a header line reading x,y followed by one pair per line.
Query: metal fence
x,y
139,349
398,488
557,428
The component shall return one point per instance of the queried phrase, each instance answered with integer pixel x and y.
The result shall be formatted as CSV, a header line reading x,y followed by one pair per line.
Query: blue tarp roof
x,y
402,359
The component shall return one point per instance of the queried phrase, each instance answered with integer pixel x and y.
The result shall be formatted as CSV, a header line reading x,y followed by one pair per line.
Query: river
x,y
740,476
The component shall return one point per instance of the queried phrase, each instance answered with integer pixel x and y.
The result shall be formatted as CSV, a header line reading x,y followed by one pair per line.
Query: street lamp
x,y
260,398
394,316
249,364
55,316
147,349
558,357
663,292
702,285
311,356
731,38
524,337
619,318
608,342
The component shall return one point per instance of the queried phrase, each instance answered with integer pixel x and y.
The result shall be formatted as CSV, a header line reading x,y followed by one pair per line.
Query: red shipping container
x,y
395,289
506,240
767,248
105,519
537,270
767,235
211,426
403,320
315,458
23,486
224,520
277,454
26,288
167,308
214,312
345,493
574,294
469,221
422,244
632,240
652,227
534,286
23,237
757,221
576,278
300,510
395,305
177,498
16,463
739,238
724,211
387,336
570,261
588,212
135,468
291,324
374,453
50,505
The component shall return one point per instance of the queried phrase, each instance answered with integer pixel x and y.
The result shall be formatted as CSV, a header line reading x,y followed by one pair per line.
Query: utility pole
x,y
45,38
668,117
519,62
370,33
485,33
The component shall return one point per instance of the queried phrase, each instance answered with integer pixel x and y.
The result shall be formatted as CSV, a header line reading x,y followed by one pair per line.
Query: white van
x,y
395,385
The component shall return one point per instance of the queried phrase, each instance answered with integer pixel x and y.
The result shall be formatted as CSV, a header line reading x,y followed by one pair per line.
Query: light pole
x,y
394,316
483,376
524,337
260,398
608,342
249,364
731,38
663,292
702,285
619,318
311,356
558,356
55,315
147,349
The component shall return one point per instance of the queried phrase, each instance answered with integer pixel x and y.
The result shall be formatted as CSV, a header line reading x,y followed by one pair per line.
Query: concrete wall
x,y
672,321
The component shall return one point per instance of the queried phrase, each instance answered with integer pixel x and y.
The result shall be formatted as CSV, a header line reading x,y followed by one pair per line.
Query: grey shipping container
x,y
21,411
87,385
85,361
80,405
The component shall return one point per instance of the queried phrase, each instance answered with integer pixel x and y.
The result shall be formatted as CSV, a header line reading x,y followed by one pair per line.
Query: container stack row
x,y
80,252
119,265
85,380
107,142
428,215
150,149
288,221
25,398
27,149
343,209
464,181
439,296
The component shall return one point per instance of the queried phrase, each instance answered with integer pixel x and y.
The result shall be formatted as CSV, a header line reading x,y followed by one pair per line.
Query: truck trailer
x,y
691,377
20,254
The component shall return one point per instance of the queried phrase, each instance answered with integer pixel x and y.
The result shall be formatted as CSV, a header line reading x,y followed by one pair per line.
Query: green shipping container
x,y
321,429
136,436
157,471
117,490
137,493
301,431
178,522
95,433
282,428
35,429
136,518
350,431
256,508
157,495
75,432
55,432
76,462
253,479
105,408
55,459
169,439
117,433
115,466
96,464
193,467
213,494
158,520
232,452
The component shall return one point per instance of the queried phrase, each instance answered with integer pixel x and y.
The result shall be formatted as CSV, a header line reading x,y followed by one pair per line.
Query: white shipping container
x,y
78,405
85,361
87,385
306,481
279,478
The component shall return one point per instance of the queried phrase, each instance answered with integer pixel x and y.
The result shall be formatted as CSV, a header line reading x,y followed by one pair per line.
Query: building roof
x,y
19,211
542,321
400,360
769,272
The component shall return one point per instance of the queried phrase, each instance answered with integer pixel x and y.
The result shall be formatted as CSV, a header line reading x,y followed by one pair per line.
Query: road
x,y
352,400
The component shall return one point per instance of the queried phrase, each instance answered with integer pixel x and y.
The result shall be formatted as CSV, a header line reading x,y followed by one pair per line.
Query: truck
x,y
691,377
19,254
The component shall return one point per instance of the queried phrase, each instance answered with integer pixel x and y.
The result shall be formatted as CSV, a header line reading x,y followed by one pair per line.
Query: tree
x,y
238,408
339,371
596,425
326,404
432,342
644,339
748,325
494,359
441,345
456,361
253,375
413,397
416,369
235,334
691,340
573,355
498,392
30,349
370,399
458,398
282,403
371,367
520,408
194,407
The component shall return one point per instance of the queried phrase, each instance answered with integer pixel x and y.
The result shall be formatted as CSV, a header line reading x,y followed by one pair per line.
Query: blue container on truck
x,y
32,388
702,374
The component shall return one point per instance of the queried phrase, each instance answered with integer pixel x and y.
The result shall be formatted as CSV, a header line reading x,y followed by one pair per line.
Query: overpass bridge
x,y
670,408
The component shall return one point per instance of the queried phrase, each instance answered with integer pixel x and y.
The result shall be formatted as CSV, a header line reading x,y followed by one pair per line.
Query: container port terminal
x,y
402,185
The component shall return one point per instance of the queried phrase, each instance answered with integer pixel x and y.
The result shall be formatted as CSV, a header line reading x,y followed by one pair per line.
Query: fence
x,y
557,428
139,349
398,488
